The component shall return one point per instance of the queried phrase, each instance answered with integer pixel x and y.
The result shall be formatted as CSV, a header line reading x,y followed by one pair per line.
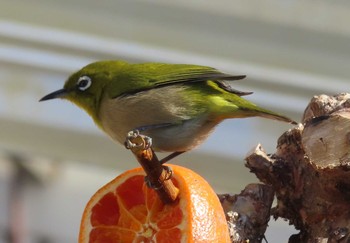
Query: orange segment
x,y
106,212
111,235
126,210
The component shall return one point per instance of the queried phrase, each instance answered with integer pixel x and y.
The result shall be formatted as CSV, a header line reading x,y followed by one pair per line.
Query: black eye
x,y
84,82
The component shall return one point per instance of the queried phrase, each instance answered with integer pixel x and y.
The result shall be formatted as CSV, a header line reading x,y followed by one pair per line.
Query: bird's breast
x,y
154,107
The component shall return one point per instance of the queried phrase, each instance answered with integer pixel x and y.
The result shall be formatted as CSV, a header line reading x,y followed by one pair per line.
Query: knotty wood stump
x,y
309,175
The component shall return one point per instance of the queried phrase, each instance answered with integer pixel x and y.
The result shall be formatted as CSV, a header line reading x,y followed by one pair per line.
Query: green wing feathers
x,y
205,85
154,75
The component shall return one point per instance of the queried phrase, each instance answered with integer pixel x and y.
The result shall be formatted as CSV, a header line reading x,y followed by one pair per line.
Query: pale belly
x,y
182,137
181,133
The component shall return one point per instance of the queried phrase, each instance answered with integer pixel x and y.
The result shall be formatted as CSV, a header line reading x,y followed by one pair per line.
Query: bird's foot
x,y
132,135
168,176
169,172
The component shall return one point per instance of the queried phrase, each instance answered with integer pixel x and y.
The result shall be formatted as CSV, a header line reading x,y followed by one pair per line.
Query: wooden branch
x,y
155,172
248,213
310,172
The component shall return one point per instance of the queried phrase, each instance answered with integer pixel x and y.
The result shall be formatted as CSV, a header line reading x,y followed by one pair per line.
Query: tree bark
x,y
247,214
310,172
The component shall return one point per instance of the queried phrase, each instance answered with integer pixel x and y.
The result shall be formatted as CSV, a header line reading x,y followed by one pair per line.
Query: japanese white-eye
x,y
177,105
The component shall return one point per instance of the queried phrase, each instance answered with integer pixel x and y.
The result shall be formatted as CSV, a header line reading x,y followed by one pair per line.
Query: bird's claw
x,y
169,175
133,135
148,141
169,172
149,184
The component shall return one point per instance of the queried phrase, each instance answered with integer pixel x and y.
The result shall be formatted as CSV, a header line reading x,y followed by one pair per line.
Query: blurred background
x,y
53,158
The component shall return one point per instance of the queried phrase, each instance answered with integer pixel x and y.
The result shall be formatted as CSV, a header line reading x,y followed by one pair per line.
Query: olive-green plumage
x,y
177,105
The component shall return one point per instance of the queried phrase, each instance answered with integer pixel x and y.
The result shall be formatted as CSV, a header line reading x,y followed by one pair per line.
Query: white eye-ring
x,y
84,82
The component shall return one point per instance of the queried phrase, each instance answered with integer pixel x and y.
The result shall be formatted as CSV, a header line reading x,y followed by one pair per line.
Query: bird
x,y
177,106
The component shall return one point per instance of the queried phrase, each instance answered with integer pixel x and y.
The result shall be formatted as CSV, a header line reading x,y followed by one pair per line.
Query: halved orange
x,y
126,210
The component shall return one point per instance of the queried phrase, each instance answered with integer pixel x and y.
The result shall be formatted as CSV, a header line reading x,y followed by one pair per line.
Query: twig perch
x,y
155,172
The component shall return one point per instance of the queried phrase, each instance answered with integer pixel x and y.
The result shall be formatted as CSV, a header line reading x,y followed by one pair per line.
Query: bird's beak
x,y
57,94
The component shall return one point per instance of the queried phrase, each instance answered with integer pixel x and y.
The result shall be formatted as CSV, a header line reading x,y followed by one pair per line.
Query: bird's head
x,y
85,88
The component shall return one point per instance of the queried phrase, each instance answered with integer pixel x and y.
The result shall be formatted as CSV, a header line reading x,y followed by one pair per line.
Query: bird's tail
x,y
274,116
233,106
253,110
